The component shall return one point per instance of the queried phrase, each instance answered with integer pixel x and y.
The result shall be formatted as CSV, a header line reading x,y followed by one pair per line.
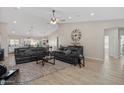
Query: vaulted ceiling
x,y
36,21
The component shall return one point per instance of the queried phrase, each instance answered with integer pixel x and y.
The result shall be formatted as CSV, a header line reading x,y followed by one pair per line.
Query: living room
x,y
61,45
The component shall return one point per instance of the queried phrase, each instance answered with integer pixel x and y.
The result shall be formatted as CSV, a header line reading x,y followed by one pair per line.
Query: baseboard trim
x,y
98,59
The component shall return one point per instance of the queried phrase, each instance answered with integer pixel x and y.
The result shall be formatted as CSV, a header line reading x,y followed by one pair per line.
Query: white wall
x,y
4,38
92,36
53,39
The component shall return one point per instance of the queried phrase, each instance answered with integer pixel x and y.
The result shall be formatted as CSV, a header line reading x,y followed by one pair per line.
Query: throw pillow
x,y
67,52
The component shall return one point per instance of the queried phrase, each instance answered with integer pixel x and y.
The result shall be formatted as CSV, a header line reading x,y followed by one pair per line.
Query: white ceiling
x,y
39,17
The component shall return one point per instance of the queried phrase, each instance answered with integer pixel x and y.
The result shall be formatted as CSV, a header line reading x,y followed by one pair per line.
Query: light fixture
x,y
14,22
53,19
92,14
18,8
13,32
69,17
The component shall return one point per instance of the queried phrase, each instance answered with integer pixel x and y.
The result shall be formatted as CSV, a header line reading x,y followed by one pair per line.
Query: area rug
x,y
31,71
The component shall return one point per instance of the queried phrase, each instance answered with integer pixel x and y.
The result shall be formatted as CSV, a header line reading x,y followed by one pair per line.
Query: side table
x,y
80,61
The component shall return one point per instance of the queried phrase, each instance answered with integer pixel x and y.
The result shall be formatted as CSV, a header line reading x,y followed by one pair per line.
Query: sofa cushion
x,y
28,52
67,52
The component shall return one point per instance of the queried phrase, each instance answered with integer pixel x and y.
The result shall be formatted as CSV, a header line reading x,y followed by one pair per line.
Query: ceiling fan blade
x,y
60,20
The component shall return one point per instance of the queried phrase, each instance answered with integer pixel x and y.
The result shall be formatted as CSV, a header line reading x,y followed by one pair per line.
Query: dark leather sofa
x,y
73,57
3,70
1,54
29,54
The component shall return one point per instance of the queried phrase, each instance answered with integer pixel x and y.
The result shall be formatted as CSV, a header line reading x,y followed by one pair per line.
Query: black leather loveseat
x,y
1,54
29,54
70,54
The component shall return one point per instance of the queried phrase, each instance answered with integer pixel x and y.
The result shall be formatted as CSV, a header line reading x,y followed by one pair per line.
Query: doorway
x,y
106,46
122,45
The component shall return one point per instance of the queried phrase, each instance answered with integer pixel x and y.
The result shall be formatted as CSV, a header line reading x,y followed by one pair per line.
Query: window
x,y
13,42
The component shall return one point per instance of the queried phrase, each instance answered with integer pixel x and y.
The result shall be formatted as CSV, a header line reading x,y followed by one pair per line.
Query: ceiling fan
x,y
55,20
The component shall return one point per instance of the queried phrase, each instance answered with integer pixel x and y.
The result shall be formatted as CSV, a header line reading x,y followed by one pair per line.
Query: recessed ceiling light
x,y
14,22
18,8
92,14
69,17
13,32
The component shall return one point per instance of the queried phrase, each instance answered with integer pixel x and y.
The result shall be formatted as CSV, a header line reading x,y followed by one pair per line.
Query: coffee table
x,y
47,59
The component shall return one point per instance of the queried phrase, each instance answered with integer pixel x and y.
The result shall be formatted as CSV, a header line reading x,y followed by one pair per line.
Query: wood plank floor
x,y
109,72
95,73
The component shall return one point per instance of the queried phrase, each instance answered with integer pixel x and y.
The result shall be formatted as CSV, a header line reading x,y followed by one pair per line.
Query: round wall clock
x,y
76,35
